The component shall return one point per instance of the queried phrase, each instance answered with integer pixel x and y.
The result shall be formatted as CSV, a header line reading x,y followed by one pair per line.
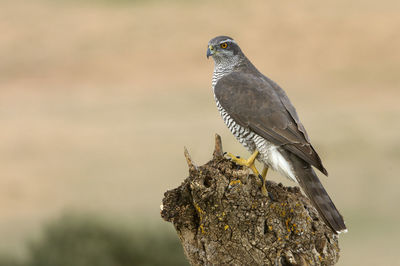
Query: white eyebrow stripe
x,y
227,40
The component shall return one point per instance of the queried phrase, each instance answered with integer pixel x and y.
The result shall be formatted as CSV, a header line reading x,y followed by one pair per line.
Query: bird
x,y
260,115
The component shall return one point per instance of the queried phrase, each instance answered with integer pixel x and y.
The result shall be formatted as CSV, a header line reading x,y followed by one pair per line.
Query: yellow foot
x,y
250,163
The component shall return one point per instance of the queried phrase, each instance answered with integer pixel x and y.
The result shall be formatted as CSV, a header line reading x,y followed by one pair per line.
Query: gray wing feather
x,y
289,107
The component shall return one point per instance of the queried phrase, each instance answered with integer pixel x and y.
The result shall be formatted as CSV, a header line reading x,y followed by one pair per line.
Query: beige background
x,y
98,98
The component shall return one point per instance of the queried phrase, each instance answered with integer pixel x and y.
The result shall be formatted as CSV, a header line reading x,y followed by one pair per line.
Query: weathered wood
x,y
222,218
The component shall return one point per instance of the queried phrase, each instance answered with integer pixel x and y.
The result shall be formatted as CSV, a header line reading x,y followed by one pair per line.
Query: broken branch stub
x,y
221,217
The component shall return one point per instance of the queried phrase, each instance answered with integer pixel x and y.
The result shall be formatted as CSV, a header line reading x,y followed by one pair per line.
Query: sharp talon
x,y
225,153
261,178
270,196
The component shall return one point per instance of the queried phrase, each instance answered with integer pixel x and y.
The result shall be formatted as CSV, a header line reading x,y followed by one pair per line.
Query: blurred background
x,y
99,97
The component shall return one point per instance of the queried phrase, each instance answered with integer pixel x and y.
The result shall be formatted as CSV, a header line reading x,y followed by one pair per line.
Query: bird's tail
x,y
313,188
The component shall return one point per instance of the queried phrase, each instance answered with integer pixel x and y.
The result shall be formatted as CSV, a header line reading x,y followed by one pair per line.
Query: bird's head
x,y
223,49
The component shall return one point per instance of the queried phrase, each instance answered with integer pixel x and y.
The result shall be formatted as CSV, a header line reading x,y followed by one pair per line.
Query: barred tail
x,y
313,188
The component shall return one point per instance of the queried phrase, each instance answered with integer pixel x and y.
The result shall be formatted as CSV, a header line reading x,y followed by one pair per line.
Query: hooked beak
x,y
210,51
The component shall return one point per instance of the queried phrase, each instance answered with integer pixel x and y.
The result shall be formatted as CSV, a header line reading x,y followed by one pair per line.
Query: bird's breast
x,y
242,134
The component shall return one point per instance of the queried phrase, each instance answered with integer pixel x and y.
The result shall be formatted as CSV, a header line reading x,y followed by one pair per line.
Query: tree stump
x,y
222,218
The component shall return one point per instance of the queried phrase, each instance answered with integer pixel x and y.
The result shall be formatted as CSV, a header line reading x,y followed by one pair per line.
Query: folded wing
x,y
257,103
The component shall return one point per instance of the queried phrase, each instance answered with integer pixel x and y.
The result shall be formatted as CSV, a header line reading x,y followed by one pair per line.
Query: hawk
x,y
262,118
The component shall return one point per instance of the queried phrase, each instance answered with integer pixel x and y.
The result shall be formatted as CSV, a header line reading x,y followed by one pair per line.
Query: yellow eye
x,y
223,45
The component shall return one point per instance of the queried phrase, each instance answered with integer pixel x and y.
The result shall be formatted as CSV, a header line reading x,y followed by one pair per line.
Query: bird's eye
x,y
223,45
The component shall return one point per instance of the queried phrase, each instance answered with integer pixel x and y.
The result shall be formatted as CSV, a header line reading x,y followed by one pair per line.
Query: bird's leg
x,y
263,175
250,163
243,162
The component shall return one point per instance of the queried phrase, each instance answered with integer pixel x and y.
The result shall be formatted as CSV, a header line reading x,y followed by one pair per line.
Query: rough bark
x,y
222,218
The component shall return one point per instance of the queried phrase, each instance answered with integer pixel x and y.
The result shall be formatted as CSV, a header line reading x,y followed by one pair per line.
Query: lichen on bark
x,y
222,218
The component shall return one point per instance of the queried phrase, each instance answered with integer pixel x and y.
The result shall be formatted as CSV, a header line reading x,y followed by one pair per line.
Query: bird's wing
x,y
257,103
